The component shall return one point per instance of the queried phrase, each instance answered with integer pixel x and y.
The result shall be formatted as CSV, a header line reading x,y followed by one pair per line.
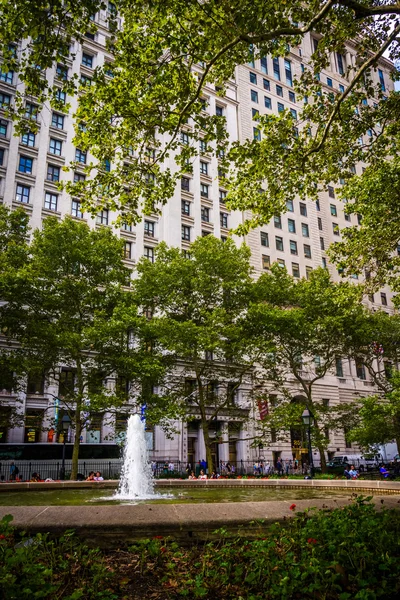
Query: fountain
x,y
136,475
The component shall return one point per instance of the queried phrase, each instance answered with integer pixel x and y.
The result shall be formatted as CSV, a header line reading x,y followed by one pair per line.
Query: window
x,y
307,250
76,209
329,82
5,100
324,265
293,112
317,205
203,146
308,271
281,108
23,193
57,121
28,139
279,91
184,138
341,88
186,233
128,250
335,228
381,80
3,128
289,205
276,68
31,111
303,209
107,165
185,184
340,63
50,201
278,222
149,228
347,217
281,262
322,243
78,177
223,218
61,96
222,196
266,85
333,210
55,147
304,230
203,168
293,247
80,156
149,253
205,233
266,261
279,243
205,214
264,239
1,156
267,102
383,299
288,72
7,77
291,226
264,65
339,367
86,81
87,60
204,190
295,270
102,217
331,191
254,95
185,207
292,96
371,298
25,164
253,78
360,368
62,72
320,223
255,114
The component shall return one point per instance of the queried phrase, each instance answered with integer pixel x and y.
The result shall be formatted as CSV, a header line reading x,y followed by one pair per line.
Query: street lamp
x,y
65,423
308,417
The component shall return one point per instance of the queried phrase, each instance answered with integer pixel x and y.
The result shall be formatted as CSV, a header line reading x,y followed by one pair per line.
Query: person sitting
x,y
192,475
214,475
202,475
98,477
353,473
384,472
347,474
35,477
90,476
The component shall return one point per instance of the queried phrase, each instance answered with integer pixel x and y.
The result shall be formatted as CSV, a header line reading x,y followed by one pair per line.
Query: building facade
x,y
31,166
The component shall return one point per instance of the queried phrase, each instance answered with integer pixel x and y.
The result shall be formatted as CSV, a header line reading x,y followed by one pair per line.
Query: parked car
x,y
361,462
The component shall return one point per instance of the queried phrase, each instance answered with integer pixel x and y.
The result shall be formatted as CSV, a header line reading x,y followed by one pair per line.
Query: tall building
x,y
31,166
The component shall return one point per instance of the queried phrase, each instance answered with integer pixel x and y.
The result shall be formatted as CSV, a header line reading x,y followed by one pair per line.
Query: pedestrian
x,y
287,467
14,471
279,466
267,467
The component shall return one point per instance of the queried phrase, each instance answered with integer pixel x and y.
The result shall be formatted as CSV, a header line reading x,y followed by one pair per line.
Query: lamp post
x,y
65,423
307,417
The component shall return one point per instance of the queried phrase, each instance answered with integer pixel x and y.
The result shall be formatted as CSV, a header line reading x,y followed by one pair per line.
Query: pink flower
x,y
312,541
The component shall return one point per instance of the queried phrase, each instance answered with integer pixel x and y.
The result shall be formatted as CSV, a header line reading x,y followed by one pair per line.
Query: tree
x,y
74,319
201,302
301,328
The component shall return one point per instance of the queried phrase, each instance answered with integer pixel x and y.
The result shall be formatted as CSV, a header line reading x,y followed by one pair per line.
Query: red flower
x,y
2,537
158,537
292,507
312,541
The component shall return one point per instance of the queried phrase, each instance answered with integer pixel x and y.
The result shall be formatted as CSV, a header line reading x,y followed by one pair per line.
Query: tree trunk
x,y
77,441
320,446
208,445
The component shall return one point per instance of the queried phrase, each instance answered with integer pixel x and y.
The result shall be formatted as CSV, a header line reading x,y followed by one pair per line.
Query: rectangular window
x,y
266,85
222,196
7,77
149,228
78,177
255,114
304,230
320,223
293,247
293,112
339,367
317,205
278,222
87,60
279,91
264,239
276,68
61,96
62,72
203,146
3,128
289,205
266,261
308,271
25,164
341,88
80,156
223,218
28,139
31,111
295,270
279,243
128,250
291,226
203,168
307,250
303,209
185,184
57,121
254,95
50,201
329,82
347,217
382,80
86,81
267,102
322,243
76,209
185,207
5,100
102,217
204,190
253,78
383,299
264,65
205,214
184,138
149,253
288,72
340,63
23,193
360,368
335,228
186,233
281,108
1,156
333,210
55,147
219,111
292,96
281,262
331,191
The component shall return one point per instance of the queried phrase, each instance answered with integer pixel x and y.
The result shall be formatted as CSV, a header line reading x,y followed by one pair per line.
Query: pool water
x,y
63,497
